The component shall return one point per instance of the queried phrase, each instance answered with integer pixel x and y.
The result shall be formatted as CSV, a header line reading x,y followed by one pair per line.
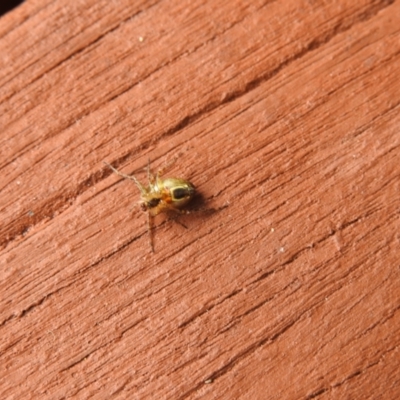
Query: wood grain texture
x,y
285,116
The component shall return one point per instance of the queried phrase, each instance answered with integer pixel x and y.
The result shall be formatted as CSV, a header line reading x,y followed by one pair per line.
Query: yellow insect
x,y
161,195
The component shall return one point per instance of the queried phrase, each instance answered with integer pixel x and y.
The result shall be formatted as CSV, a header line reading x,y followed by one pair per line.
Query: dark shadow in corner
x,y
8,5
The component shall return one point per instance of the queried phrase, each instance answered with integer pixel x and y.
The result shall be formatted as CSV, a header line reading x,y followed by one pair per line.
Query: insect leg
x,y
150,230
131,177
150,176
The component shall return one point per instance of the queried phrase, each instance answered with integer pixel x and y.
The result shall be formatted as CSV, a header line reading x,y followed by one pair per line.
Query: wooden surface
x,y
285,116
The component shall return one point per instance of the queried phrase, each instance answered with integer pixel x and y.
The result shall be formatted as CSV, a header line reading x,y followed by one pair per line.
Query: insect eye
x,y
179,193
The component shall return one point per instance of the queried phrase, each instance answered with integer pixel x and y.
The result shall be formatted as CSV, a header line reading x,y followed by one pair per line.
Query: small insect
x,y
161,195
